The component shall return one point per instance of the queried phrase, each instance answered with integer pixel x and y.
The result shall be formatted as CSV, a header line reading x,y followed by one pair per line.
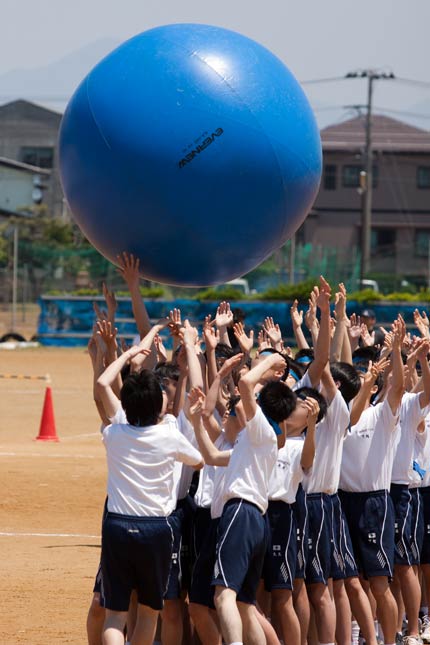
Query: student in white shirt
x,y
406,498
294,459
422,456
137,538
242,529
365,480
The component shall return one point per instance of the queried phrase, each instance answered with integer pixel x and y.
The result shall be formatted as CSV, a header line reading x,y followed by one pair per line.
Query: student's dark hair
x,y
167,370
304,357
277,401
225,351
365,354
304,392
232,402
125,372
142,398
347,377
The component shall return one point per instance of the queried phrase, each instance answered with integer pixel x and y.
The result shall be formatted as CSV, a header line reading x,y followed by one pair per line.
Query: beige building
x,y
400,239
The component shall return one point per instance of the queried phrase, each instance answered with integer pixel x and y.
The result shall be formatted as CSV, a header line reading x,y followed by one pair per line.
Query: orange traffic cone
x,y
47,431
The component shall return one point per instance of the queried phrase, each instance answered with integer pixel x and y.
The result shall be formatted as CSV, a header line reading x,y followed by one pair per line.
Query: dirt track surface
x,y
51,501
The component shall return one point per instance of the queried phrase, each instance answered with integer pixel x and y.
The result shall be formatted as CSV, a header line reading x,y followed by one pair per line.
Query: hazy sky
x,y
315,38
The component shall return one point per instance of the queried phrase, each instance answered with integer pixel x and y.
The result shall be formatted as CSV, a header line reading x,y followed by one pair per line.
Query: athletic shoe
x,y
412,640
425,629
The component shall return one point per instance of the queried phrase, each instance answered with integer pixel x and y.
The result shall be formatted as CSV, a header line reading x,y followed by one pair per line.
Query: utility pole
x,y
366,176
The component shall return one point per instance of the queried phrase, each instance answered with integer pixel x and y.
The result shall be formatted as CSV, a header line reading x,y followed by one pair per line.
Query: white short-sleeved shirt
x,y
251,463
422,452
205,489
305,381
141,465
329,439
411,415
288,472
368,450
184,473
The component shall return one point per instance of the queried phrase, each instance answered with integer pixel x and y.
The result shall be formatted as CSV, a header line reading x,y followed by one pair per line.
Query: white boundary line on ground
x,y
65,535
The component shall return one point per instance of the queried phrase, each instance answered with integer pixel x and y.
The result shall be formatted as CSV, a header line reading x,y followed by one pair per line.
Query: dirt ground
x,y
51,498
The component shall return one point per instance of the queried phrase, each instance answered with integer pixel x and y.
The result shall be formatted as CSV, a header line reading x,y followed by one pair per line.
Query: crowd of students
x,y
258,494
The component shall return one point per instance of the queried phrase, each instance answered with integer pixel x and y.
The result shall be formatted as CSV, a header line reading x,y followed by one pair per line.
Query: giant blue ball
x,y
192,147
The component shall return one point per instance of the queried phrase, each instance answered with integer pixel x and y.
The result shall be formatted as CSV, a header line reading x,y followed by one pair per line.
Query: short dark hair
x,y
224,351
348,378
277,401
365,354
167,370
295,369
304,392
304,357
142,398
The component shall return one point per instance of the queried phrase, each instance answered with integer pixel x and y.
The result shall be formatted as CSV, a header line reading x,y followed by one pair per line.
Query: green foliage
x,y
217,295
365,295
145,292
299,291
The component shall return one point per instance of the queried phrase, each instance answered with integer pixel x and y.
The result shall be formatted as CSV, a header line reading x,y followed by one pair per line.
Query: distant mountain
x,y
54,83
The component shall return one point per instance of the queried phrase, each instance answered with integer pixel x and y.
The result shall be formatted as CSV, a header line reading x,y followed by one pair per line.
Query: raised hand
x,y
311,320
210,335
107,334
111,302
129,269
367,337
296,315
313,409
196,400
230,365
189,333
263,341
422,323
273,332
354,328
224,315
101,314
323,293
246,342
340,305
161,350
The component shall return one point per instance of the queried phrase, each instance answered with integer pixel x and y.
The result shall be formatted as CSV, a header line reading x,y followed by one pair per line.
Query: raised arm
x,y
104,389
397,386
274,333
297,322
211,338
308,452
210,453
213,395
248,382
224,319
422,356
361,400
129,269
322,348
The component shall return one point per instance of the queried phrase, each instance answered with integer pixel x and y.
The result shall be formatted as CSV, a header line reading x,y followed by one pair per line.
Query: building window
x,y
330,176
41,157
422,242
383,241
423,177
351,176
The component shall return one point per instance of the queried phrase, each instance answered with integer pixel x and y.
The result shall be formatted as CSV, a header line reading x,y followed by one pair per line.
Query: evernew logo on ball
x,y
202,146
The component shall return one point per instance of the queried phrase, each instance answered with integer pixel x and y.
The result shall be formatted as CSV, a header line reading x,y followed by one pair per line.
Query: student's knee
x,y
282,599
224,597
96,612
353,587
379,586
319,595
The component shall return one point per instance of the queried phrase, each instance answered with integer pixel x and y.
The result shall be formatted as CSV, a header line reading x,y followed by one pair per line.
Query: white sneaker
x,y
412,640
425,633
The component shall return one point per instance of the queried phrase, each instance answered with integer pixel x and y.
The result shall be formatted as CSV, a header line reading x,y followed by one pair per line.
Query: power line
x,y
332,79
410,81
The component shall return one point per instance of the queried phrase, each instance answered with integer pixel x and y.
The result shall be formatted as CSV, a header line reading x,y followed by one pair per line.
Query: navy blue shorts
x,y
136,554
318,565
181,521
241,546
370,518
301,514
425,503
280,563
98,579
409,524
343,563
202,591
